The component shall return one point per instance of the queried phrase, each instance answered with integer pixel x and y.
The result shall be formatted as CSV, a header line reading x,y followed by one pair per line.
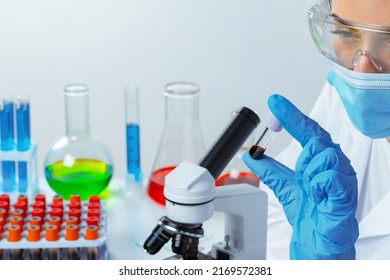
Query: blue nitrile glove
x,y
320,197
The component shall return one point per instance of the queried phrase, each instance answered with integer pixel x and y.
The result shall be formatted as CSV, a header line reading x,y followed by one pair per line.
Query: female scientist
x,y
336,203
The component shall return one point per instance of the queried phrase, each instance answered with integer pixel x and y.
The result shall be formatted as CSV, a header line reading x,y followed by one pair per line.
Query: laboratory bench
x,y
131,218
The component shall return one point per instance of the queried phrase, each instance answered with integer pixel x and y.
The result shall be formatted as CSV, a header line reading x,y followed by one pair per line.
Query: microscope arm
x,y
245,209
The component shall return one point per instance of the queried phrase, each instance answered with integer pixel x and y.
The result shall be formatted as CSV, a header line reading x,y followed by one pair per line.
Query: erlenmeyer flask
x,y
78,163
182,138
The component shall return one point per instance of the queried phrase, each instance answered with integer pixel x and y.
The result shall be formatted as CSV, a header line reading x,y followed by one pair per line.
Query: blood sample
x,y
267,135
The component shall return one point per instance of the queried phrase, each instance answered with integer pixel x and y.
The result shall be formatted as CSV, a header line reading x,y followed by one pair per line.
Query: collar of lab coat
x,y
374,223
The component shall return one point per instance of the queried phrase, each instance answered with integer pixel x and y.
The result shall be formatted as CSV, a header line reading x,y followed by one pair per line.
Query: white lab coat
x,y
371,161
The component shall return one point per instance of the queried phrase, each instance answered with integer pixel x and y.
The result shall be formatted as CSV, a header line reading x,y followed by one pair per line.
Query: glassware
x,y
272,126
7,143
78,163
182,138
134,172
23,142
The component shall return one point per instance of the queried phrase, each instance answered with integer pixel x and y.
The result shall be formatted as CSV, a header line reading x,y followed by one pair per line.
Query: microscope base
x,y
201,256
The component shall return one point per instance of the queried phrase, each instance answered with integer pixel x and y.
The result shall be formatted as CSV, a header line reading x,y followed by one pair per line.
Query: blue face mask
x,y
366,98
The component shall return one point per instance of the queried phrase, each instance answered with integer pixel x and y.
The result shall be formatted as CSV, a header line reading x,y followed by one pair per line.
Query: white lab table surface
x,y
131,218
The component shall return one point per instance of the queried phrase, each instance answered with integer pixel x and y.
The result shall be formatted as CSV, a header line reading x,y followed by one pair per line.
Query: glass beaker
x,y
182,138
78,163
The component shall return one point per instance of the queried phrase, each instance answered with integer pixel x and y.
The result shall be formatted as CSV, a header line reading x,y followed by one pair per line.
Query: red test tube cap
x,y
23,197
38,212
4,197
91,233
93,212
52,233
75,198
57,198
40,205
75,213
74,205
2,222
94,198
14,234
17,221
3,213
72,232
36,221
21,205
56,212
34,233
18,213
57,204
40,197
55,221
92,221
4,205
93,205
72,221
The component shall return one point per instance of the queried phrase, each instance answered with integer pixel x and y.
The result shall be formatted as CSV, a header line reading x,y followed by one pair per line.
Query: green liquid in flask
x,y
85,177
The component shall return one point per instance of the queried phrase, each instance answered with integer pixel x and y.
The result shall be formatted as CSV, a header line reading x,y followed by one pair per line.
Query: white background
x,y
238,51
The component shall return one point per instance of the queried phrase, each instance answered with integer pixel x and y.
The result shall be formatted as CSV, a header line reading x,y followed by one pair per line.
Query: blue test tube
x,y
134,171
23,141
7,143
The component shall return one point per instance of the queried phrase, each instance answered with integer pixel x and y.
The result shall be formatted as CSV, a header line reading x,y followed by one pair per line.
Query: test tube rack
x,y
18,171
29,157
60,230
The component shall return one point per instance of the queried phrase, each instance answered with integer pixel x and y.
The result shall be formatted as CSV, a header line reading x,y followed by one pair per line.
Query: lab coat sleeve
x,y
279,230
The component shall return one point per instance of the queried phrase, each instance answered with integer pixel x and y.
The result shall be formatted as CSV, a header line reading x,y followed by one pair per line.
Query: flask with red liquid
x,y
182,138
237,175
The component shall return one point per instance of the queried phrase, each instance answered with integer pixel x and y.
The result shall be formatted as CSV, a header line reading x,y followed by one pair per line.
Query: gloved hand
x,y
320,197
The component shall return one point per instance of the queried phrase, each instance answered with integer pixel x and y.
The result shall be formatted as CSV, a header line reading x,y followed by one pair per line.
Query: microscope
x,y
191,198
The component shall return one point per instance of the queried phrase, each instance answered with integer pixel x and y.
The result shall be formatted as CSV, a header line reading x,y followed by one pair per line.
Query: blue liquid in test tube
x,y
133,153
7,143
134,171
23,139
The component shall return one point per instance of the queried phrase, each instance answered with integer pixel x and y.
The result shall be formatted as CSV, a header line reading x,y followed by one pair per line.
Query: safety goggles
x,y
343,41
